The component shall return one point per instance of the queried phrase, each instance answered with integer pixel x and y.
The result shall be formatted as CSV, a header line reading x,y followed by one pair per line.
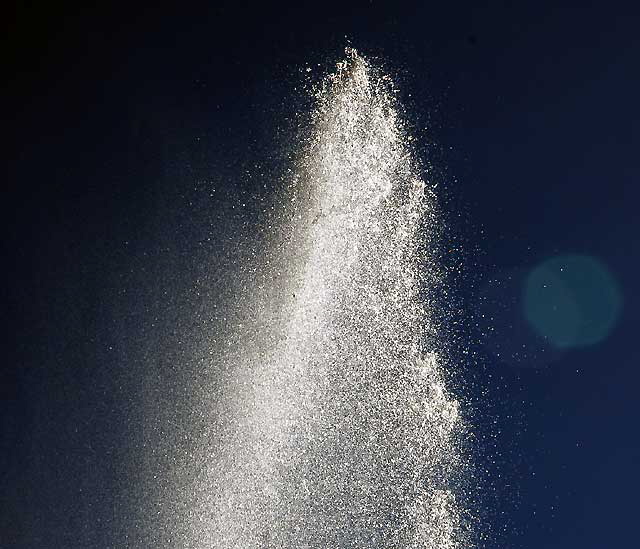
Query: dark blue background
x,y
116,119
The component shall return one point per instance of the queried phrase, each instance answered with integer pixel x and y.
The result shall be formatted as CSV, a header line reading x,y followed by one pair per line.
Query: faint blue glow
x,y
572,300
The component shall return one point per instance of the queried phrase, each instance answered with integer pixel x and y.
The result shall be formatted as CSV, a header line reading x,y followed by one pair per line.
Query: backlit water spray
x,y
333,427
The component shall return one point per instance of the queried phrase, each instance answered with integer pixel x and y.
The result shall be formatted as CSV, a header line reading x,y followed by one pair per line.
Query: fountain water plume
x,y
335,428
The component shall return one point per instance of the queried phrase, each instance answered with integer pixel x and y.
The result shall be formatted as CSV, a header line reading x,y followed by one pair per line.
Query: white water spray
x,y
334,428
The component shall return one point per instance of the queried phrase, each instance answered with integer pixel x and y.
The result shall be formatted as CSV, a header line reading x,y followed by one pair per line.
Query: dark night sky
x,y
116,123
